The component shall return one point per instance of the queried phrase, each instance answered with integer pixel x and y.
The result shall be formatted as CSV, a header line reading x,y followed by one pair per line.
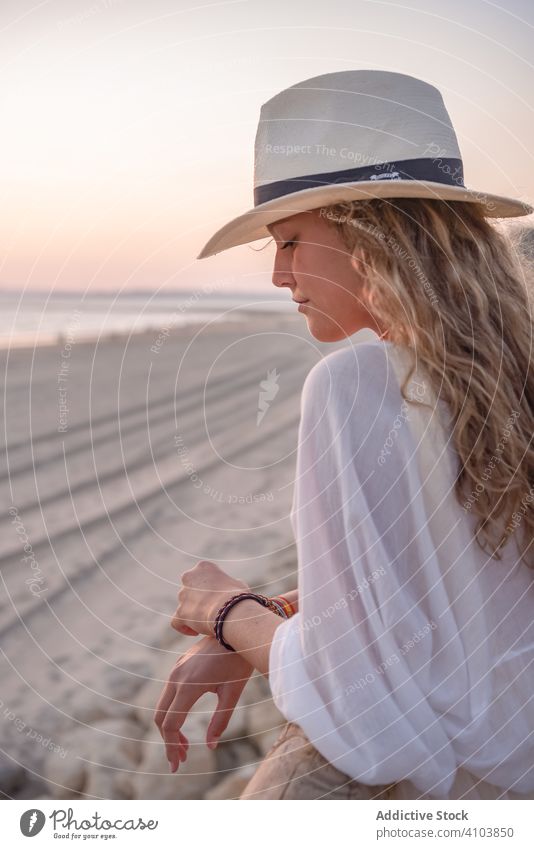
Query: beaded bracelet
x,y
229,603
280,608
288,607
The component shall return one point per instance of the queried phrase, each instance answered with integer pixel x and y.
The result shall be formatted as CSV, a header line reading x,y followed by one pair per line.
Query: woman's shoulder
x,y
366,365
369,388
368,370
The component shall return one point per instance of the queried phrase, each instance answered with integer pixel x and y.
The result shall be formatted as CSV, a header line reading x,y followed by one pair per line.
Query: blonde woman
x,y
406,669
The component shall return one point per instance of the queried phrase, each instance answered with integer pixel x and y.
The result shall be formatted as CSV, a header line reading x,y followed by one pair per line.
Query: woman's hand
x,y
206,668
204,590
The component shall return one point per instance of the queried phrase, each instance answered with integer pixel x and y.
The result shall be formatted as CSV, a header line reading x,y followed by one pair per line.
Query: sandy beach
x,y
127,460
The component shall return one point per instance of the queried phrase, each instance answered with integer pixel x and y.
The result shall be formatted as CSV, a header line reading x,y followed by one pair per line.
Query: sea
x,y
33,318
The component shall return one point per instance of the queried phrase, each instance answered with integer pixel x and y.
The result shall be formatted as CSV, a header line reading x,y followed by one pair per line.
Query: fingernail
x,y
213,744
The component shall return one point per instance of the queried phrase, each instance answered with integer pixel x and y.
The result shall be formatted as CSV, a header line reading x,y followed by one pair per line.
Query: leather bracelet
x,y
227,606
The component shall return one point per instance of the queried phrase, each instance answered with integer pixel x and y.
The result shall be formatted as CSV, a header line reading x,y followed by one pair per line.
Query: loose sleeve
x,y
362,666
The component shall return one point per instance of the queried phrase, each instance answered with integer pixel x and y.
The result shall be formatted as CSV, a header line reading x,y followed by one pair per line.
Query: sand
x,y
127,460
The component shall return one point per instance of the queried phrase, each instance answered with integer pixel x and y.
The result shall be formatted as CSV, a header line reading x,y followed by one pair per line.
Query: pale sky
x,y
128,125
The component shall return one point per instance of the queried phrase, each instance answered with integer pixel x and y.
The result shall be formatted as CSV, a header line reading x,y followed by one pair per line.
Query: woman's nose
x,y
281,272
280,279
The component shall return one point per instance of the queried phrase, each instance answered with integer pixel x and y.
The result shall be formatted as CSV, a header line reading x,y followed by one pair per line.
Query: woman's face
x,y
313,262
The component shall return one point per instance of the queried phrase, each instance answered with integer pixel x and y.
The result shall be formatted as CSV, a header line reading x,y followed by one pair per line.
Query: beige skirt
x,y
294,769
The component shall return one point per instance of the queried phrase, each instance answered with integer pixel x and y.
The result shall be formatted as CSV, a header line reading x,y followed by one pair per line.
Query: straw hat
x,y
353,135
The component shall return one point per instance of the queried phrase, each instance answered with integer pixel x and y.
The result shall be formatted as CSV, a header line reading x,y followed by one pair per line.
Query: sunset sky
x,y
128,125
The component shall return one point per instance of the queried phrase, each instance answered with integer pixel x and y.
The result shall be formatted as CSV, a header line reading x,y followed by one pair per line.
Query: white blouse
x,y
410,659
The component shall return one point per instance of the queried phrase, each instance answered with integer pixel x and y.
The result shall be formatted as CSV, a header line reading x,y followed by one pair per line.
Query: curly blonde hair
x,y
456,288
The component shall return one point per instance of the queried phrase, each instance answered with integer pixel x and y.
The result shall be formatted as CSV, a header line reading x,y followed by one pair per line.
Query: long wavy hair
x,y
457,288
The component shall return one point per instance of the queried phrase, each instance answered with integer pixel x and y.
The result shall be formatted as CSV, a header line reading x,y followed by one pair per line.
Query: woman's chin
x,y
324,336
324,332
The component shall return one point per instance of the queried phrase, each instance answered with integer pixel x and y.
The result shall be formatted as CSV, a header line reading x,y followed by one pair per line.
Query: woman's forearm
x,y
249,629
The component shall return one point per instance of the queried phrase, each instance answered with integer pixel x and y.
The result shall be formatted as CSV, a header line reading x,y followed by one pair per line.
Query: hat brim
x,y
252,225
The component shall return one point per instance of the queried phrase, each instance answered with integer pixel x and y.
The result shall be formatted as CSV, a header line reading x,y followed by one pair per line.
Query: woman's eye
x,y
287,244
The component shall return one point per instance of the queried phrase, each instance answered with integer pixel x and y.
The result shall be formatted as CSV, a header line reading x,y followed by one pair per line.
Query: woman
x,y
405,671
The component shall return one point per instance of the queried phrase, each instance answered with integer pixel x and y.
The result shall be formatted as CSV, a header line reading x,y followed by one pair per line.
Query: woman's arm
x,y
249,628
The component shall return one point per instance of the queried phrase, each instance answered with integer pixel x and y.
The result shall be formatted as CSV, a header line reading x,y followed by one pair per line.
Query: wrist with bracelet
x,y
278,605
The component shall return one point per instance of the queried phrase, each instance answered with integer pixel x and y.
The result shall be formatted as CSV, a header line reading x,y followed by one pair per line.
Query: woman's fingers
x,y
185,629
178,625
181,753
176,744
227,699
164,701
170,714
